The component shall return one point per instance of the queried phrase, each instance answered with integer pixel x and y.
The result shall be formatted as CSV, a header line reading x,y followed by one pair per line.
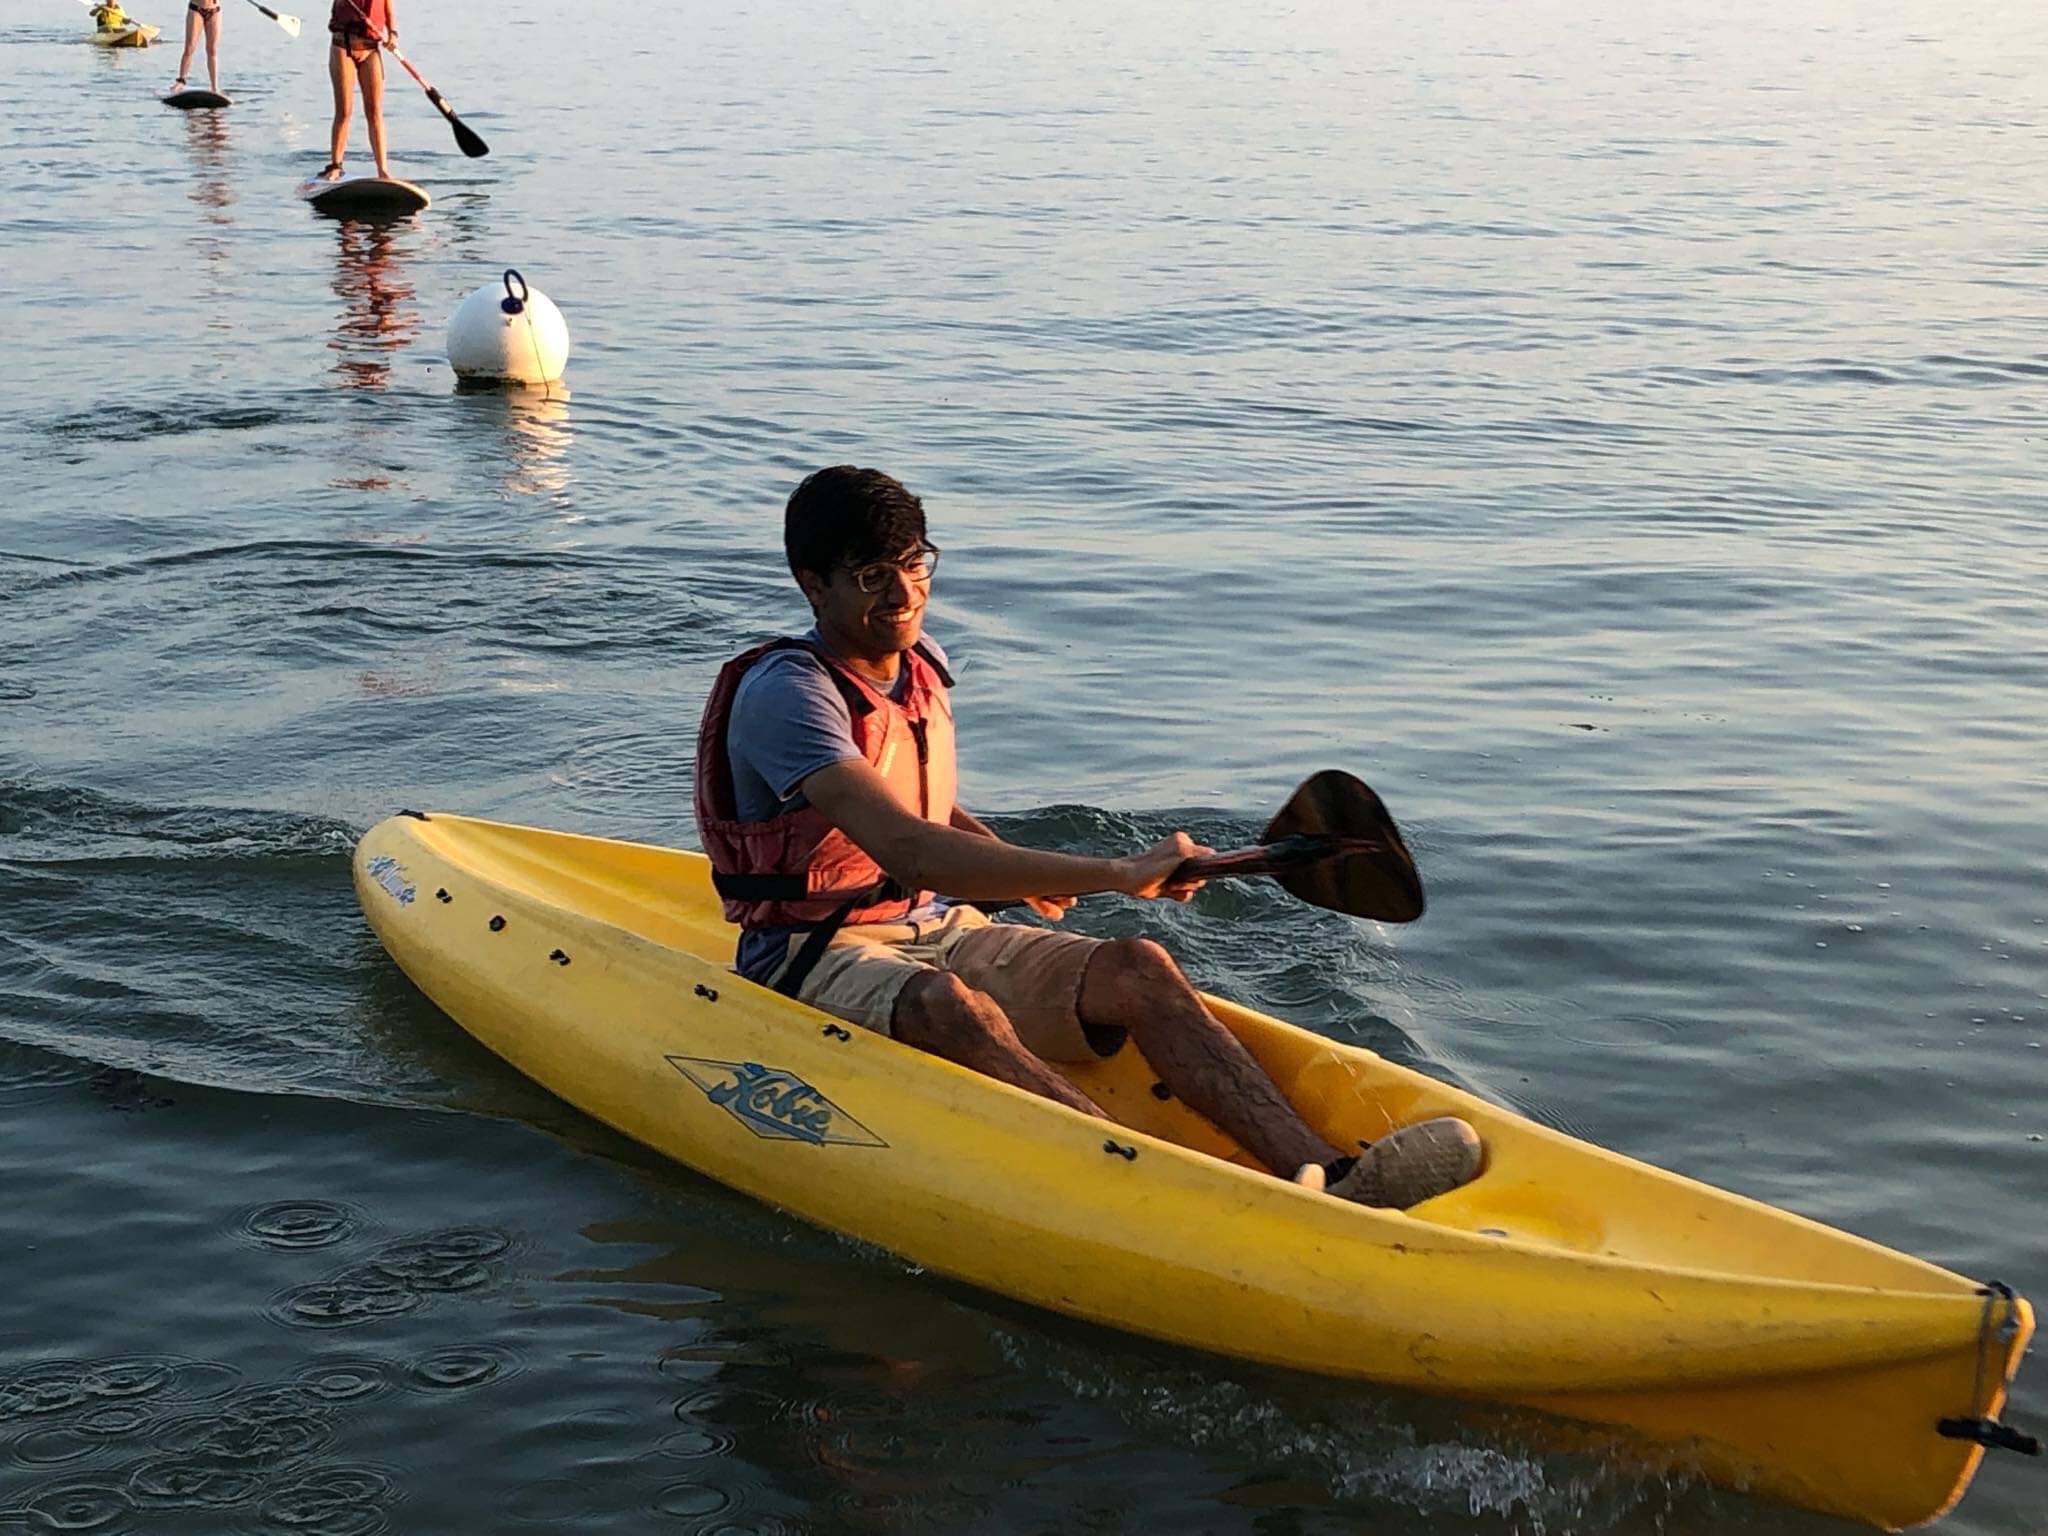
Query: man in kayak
x,y
825,767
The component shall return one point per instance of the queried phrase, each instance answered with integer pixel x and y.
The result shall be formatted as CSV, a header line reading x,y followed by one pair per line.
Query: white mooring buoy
x,y
508,333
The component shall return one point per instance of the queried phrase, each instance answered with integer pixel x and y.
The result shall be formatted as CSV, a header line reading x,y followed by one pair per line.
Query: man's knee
x,y
1141,964
939,1012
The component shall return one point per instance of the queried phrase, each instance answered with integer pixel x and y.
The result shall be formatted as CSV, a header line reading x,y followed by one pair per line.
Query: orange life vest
x,y
798,870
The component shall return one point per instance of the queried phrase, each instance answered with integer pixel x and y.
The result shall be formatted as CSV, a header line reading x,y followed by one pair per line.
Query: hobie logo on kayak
x,y
386,871
776,1104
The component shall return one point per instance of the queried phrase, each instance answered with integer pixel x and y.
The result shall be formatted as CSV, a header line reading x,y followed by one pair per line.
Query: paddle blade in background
x,y
466,138
1381,883
289,23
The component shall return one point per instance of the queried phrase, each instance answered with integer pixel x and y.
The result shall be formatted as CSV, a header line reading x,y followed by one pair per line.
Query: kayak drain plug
x,y
709,994
558,957
497,925
834,1032
1128,1154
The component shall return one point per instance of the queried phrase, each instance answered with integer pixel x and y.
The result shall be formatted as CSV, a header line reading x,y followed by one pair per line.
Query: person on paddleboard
x,y
356,31
200,17
825,767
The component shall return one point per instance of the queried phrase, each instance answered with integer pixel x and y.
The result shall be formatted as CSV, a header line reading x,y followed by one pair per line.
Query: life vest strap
x,y
819,938
759,887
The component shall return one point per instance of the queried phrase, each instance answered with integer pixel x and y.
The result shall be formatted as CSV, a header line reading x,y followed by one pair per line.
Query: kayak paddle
x,y
289,23
1332,845
466,139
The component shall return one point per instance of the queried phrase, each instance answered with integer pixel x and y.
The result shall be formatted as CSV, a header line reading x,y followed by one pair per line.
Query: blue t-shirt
x,y
788,721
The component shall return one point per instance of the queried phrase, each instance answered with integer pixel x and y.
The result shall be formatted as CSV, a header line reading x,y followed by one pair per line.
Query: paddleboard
x,y
366,197
195,99
134,35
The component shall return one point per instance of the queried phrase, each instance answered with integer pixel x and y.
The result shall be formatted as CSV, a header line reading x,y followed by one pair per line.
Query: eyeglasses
x,y
918,566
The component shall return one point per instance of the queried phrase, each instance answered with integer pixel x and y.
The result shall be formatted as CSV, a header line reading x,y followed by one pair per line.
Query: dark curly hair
x,y
849,516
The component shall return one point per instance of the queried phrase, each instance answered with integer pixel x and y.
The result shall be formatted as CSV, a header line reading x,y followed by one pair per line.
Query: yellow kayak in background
x,y
1723,1336
134,34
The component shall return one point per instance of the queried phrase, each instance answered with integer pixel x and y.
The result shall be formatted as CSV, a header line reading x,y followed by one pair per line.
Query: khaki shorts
x,y
1033,974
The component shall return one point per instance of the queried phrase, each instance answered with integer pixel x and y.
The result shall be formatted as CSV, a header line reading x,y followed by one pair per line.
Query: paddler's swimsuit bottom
x,y
203,10
1032,974
359,46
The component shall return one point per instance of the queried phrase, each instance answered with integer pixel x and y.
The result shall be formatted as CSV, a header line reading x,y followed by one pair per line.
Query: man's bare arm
x,y
967,821
976,865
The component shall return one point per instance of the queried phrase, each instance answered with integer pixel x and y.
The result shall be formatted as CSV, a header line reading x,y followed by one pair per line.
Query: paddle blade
x,y
290,25
1379,882
466,138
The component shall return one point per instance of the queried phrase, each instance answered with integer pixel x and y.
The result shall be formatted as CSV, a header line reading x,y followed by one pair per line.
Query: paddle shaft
x,y
1270,858
1289,853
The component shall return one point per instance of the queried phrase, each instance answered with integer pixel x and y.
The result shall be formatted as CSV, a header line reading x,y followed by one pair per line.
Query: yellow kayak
x,y
1763,1350
134,34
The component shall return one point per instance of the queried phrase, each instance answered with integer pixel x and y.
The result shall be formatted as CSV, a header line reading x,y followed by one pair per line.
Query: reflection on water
x,y
378,317
206,136
532,445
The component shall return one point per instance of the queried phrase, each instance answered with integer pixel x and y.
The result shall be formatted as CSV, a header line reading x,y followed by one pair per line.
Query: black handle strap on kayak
x,y
1990,1434
1982,1429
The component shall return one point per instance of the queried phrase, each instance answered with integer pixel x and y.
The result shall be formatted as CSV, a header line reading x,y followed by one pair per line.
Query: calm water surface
x,y
1617,432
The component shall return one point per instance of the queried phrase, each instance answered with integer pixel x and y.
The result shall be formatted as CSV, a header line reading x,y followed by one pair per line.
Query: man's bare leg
x,y
940,1013
1133,983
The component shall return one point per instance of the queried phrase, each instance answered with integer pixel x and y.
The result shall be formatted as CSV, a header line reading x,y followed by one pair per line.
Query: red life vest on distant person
x,y
798,870
363,18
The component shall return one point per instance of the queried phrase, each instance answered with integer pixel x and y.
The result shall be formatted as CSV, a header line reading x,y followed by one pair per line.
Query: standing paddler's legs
x,y
370,74
340,71
212,45
193,22
1134,984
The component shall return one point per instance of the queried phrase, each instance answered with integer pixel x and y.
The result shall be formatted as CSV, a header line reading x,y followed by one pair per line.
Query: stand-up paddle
x,y
1332,845
466,138
289,23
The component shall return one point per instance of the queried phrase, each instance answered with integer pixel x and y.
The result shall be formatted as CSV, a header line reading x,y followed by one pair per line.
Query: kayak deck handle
x,y
1990,1433
709,994
1128,1154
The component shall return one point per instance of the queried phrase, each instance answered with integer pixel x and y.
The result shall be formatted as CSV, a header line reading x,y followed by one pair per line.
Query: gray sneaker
x,y
1413,1164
